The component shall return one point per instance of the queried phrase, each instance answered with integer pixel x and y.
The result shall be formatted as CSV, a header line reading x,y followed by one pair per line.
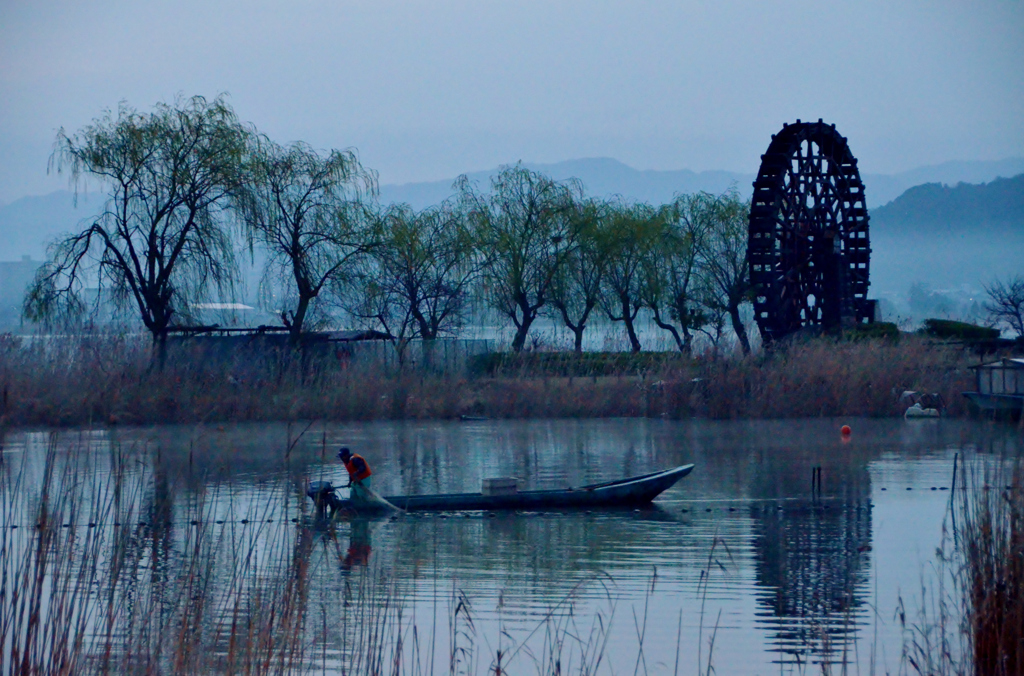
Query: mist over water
x,y
741,544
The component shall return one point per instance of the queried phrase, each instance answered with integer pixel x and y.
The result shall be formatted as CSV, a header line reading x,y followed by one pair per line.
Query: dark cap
x,y
344,452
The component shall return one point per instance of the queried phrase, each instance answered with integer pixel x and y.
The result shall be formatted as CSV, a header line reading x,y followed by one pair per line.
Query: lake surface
x,y
740,553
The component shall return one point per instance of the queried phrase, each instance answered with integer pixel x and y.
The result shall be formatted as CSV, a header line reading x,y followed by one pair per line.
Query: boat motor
x,y
324,496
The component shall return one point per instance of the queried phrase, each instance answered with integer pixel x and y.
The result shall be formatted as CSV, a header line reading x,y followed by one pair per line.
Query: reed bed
x,y
99,577
103,572
970,622
992,557
110,379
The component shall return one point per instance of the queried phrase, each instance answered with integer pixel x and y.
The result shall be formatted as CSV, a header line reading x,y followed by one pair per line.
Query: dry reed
x,y
98,577
992,549
109,379
971,622
105,571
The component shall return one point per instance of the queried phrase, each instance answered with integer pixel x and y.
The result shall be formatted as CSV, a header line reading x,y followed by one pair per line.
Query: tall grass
x,y
829,378
992,549
972,621
110,379
97,577
104,572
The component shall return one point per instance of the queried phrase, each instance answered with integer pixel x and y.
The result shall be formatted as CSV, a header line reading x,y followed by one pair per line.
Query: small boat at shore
x,y
631,492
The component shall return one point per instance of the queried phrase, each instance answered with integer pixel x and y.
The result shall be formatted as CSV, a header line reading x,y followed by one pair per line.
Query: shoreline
x,y
110,382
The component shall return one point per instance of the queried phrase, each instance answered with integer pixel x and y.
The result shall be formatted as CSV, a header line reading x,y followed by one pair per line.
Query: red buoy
x,y
845,430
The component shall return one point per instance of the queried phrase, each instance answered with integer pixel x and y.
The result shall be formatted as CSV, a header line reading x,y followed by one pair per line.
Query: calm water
x,y
739,551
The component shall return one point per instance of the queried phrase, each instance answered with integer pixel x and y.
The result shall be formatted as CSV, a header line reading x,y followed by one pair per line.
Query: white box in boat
x,y
506,485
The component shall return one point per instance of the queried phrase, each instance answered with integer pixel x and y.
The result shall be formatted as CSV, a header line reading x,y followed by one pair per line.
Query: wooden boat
x,y
634,491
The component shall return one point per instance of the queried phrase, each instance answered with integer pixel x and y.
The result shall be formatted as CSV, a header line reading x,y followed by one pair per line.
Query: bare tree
x,y
525,230
673,281
630,235
160,244
1006,303
308,211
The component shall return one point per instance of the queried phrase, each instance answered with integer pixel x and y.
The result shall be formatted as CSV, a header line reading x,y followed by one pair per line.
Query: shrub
x,y
572,364
875,330
946,328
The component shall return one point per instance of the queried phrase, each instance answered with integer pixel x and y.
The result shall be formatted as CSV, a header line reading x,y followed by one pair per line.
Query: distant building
x,y
1000,386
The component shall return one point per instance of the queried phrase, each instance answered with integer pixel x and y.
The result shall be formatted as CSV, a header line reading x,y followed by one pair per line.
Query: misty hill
x,y
602,177
958,238
934,207
27,225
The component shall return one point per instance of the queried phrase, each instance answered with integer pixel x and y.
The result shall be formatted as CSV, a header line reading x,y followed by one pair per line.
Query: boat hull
x,y
634,491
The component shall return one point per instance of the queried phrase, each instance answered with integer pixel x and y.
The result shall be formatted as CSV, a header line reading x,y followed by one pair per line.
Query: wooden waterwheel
x,y
809,249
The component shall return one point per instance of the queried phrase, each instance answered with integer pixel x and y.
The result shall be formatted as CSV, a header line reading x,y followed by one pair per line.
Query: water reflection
x,y
813,561
359,546
743,544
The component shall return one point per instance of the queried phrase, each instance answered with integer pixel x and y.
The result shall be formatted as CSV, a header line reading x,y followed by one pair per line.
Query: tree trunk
x,y
627,317
577,329
738,328
684,346
295,330
521,331
159,358
428,330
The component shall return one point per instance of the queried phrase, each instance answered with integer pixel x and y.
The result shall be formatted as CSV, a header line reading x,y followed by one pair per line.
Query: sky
x,y
428,90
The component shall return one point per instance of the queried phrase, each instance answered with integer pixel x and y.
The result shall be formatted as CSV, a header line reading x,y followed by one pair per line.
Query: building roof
x,y
365,334
1006,363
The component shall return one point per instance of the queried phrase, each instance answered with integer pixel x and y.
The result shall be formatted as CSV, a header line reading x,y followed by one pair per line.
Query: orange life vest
x,y
355,472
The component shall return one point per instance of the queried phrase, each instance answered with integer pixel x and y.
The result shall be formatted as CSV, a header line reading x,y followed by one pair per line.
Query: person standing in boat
x,y
358,474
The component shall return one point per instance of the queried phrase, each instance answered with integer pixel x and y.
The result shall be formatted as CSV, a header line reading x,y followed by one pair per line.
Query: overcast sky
x,y
427,90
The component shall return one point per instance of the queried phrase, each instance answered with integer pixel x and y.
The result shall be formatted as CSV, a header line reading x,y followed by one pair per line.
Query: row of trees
x,y
188,181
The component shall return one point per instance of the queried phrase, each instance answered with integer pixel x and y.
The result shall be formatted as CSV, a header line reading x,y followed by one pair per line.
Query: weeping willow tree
x,y
632,232
675,287
308,211
161,243
724,262
576,291
420,274
525,232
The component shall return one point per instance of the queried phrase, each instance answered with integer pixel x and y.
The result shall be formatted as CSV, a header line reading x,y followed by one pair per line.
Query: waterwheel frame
x,y
808,249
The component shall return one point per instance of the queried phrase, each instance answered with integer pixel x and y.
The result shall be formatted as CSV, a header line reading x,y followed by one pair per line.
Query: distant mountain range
x,y
605,177
958,237
28,224
601,176
937,208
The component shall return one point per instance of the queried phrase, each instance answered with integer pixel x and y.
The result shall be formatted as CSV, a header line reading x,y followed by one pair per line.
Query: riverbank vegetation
x,y
991,550
106,380
193,193
972,620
